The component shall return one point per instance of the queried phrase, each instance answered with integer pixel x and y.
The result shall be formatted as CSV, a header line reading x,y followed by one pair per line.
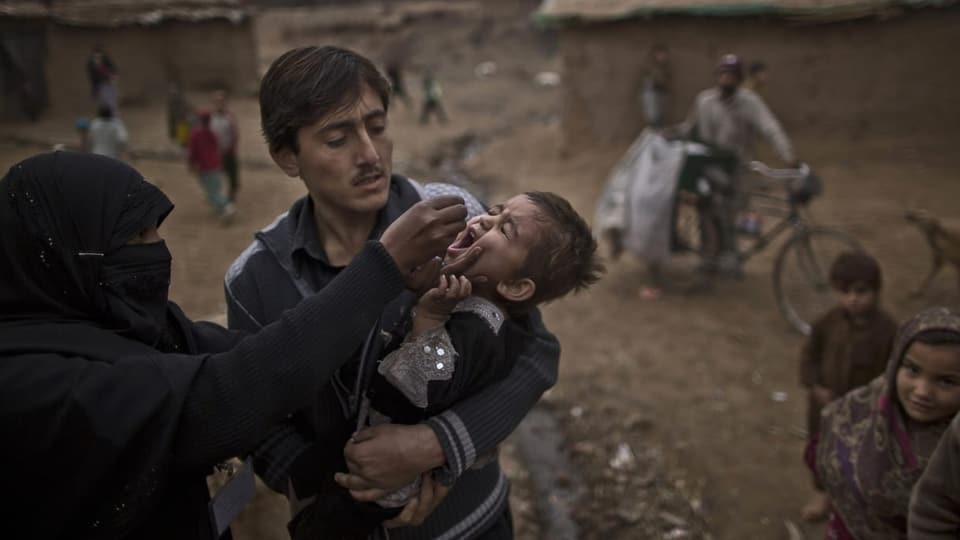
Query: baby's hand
x,y
437,303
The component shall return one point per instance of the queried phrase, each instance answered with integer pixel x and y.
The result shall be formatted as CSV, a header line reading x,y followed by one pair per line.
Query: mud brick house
x,y
44,47
841,66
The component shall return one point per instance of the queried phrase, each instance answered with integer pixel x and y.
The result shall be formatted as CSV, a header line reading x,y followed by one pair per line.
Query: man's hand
x,y
384,458
424,232
416,511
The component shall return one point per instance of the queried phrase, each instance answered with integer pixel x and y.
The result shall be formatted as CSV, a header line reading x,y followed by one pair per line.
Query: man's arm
x,y
383,458
935,504
480,423
766,123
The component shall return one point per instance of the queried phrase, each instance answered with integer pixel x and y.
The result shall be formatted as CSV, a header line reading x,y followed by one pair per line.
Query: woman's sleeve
x,y
238,395
935,504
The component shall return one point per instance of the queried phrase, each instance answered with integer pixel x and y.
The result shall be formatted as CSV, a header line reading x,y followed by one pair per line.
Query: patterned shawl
x,y
869,455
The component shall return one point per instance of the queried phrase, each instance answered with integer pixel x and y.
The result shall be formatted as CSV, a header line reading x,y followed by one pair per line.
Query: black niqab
x,y
89,407
64,228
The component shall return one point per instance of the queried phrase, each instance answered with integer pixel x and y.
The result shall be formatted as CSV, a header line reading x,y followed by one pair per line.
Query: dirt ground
x,y
677,392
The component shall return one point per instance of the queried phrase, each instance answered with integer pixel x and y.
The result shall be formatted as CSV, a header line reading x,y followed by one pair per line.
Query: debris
x,y
576,411
673,519
623,458
793,532
547,78
778,396
485,69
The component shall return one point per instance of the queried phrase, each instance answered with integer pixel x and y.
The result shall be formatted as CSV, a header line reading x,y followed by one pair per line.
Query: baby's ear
x,y
519,290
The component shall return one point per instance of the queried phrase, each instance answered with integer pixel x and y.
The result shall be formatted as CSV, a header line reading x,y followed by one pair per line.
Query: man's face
x,y
506,233
345,159
928,382
727,81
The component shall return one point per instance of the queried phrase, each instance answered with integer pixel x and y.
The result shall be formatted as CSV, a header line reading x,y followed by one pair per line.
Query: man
x,y
324,115
224,126
102,73
727,117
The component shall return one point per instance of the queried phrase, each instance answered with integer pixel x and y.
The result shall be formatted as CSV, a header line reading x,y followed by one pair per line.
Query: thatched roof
x,y
553,11
113,13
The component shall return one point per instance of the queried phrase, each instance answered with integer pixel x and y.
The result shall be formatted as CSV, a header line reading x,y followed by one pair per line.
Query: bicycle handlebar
x,y
782,174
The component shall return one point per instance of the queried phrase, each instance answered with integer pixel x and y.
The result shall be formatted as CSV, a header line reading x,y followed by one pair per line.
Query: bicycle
x,y
801,279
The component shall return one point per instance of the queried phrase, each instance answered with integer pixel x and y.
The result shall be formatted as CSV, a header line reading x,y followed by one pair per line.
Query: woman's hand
x,y
424,232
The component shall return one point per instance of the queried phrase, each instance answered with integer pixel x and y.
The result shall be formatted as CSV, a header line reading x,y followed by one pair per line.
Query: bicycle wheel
x,y
801,274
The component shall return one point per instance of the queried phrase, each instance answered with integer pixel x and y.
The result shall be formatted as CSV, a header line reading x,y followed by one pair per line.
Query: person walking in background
x,y
102,74
848,347
178,116
432,95
394,69
224,125
757,78
107,135
657,86
203,158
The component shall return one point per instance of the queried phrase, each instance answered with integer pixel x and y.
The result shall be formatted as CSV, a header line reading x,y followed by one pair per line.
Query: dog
x,y
944,244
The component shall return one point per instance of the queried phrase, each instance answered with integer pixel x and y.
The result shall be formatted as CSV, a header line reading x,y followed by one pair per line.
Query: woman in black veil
x,y
113,405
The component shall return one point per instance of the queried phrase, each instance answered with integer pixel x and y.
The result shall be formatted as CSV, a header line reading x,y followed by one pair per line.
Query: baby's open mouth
x,y
461,244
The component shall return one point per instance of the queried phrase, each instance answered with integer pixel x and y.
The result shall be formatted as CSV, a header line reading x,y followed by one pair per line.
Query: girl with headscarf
x,y
876,440
113,405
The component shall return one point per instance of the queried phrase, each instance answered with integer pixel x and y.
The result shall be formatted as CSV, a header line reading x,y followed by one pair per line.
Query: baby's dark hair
x,y
564,258
855,267
936,336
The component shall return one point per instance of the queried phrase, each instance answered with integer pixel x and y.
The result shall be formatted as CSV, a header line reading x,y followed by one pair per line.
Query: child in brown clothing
x,y
848,347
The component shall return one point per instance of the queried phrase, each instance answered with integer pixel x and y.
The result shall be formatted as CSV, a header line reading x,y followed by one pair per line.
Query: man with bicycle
x,y
726,118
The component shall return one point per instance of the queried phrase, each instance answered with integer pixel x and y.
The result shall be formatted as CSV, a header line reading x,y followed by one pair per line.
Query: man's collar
x,y
306,239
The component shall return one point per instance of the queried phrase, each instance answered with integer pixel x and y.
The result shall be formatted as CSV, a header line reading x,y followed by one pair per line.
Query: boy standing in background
x,y
848,347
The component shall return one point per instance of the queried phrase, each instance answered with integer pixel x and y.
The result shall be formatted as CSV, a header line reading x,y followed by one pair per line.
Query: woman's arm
x,y
236,396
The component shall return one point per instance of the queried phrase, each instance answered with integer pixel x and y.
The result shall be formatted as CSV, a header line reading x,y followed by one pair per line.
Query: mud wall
x,y
851,78
199,55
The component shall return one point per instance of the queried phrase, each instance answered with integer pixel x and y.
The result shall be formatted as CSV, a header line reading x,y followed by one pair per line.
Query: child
x,y
203,158
848,347
876,441
535,248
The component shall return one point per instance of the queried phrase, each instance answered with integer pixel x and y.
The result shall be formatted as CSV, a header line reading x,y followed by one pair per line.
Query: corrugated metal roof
x,y
110,13
553,11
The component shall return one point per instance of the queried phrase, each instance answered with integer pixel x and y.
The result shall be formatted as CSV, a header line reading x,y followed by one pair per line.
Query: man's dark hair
x,y
309,83
855,267
564,257
104,111
757,67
